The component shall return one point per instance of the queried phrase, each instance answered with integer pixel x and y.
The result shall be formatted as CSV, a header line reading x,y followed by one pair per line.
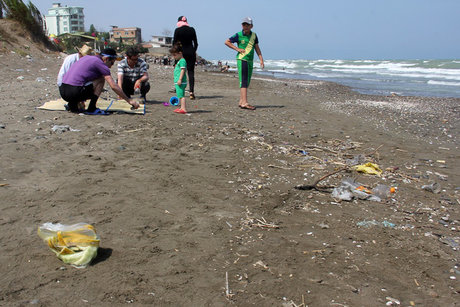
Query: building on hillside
x,y
64,19
127,35
161,41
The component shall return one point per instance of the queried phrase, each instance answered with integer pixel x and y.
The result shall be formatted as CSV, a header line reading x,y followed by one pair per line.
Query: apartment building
x,y
64,19
128,35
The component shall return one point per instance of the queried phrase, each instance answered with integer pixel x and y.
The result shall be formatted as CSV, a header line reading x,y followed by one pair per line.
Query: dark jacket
x,y
187,37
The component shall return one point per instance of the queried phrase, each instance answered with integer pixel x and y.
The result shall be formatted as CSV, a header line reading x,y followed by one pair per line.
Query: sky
x,y
294,29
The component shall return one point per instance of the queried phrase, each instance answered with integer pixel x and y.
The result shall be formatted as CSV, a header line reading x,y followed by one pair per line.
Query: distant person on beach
x,y
85,80
72,58
246,42
186,35
132,74
180,77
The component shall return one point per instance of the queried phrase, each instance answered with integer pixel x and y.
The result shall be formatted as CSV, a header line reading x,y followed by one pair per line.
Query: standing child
x,y
180,78
247,42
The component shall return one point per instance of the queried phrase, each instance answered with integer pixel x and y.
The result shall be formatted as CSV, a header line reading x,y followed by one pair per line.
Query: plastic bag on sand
x,y
369,168
74,244
350,189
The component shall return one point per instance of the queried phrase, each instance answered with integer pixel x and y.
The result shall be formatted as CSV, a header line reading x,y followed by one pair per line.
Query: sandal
x,y
192,96
247,107
97,112
180,111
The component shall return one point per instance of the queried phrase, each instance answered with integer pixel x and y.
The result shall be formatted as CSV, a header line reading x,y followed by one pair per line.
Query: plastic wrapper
x,y
350,189
75,244
369,168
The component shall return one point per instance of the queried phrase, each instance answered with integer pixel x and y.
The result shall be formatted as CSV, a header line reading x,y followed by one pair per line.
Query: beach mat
x,y
103,104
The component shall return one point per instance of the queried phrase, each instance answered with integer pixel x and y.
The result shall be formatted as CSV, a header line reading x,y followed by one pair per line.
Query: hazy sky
x,y
295,29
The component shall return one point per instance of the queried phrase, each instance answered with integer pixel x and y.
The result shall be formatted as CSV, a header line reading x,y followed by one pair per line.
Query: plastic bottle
x,y
383,191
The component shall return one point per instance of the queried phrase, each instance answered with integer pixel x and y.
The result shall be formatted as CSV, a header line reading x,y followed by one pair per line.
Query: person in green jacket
x,y
246,42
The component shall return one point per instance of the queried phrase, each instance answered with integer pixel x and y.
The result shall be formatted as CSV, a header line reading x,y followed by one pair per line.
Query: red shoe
x,y
180,111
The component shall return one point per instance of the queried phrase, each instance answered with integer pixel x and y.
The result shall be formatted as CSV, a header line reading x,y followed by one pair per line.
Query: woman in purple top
x,y
85,80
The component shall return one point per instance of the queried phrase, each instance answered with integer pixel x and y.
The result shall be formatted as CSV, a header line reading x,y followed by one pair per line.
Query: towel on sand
x,y
103,104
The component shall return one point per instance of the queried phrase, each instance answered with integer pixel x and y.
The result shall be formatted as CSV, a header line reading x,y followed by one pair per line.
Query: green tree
x,y
2,6
28,15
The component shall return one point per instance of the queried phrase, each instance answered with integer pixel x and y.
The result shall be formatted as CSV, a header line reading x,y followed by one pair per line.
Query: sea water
x,y
429,78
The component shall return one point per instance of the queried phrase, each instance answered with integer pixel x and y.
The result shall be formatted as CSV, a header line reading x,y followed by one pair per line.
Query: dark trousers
x,y
128,87
75,94
191,59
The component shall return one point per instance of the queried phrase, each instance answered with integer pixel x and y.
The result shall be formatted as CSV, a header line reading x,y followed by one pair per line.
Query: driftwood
x,y
315,186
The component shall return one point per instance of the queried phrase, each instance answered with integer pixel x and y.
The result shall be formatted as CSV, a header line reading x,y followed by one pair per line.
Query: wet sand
x,y
182,201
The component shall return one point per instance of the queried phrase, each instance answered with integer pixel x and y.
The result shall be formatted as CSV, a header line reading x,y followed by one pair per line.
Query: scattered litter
x,y
369,168
261,264
342,193
350,189
62,129
303,152
368,224
20,78
357,159
262,223
441,176
383,191
74,244
433,187
39,79
392,301
453,242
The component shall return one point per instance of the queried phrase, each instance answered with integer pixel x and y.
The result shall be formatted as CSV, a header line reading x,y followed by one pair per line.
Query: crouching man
x,y
132,74
85,80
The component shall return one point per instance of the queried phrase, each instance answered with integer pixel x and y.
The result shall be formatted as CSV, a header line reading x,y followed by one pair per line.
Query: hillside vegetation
x,y
20,21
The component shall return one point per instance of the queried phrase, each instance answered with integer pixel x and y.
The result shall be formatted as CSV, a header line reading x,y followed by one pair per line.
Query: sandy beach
x,y
202,209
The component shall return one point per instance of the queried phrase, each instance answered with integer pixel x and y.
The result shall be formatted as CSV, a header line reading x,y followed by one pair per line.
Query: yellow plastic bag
x,y
74,244
369,168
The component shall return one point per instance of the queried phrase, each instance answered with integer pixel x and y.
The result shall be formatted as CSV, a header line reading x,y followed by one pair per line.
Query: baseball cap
x,y
109,52
247,20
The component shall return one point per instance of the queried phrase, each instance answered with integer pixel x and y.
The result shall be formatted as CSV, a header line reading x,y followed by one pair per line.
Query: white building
x,y
64,19
161,41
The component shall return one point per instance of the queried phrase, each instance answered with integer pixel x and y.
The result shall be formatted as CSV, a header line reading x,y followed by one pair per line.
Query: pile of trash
x,y
349,189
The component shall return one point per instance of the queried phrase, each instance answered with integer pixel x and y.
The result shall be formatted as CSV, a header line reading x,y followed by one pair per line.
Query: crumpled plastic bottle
x,y
383,191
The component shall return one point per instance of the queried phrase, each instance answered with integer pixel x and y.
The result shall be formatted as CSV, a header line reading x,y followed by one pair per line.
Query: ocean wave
x,y
419,77
434,82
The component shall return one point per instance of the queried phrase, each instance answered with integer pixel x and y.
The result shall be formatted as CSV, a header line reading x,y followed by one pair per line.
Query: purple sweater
x,y
88,68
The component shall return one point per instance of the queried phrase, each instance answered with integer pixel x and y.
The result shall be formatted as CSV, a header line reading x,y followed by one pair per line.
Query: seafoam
x,y
431,78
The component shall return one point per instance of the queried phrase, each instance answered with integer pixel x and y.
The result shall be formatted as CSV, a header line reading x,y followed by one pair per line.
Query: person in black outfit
x,y
186,35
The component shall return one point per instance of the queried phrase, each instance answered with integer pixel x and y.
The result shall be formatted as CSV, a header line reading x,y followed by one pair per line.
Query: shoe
x,y
143,99
247,107
97,112
180,111
192,96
